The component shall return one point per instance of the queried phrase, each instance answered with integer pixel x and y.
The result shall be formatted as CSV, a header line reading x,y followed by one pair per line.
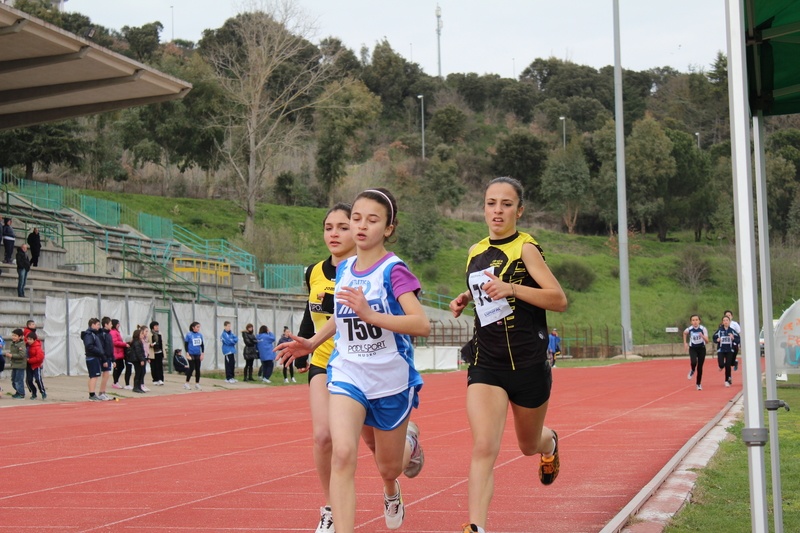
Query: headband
x,y
391,209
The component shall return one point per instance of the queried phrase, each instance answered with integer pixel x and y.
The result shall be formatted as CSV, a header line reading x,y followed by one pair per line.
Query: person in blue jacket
x,y
229,342
95,356
265,341
195,353
727,339
553,347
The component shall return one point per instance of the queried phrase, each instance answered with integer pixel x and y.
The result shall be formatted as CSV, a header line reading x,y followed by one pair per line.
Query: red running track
x,y
241,460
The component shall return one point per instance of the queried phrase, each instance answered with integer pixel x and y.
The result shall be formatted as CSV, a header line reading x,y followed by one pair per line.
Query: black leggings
x,y
119,366
725,360
290,368
194,366
697,354
248,367
138,375
157,368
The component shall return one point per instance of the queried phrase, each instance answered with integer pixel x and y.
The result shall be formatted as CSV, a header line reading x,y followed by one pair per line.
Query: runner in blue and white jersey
x,y
727,339
371,374
696,346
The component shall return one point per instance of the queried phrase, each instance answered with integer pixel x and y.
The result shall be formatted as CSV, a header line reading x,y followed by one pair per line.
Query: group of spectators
x,y
25,357
23,263
107,353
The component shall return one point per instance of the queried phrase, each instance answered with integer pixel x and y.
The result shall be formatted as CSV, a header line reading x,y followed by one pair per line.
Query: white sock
x,y
552,452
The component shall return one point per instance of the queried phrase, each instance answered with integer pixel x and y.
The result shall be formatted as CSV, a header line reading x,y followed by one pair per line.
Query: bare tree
x,y
271,76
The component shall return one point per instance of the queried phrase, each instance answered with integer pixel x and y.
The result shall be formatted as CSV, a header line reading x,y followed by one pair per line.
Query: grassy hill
x,y
658,300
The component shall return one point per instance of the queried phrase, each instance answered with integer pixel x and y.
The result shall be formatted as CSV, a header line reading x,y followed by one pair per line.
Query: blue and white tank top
x,y
377,361
696,335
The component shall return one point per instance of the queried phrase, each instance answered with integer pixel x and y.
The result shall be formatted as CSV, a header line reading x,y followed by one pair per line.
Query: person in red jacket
x,y
33,374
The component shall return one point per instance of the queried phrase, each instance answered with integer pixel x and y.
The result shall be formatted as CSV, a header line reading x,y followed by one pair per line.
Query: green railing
x,y
103,211
288,278
156,227
215,248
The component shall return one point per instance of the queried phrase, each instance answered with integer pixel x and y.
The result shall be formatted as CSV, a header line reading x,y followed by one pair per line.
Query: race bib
x,y
725,340
196,341
697,338
487,310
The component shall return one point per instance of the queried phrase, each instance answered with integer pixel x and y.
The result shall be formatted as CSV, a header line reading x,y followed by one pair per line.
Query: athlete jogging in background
x,y
696,346
512,287
370,373
738,329
726,338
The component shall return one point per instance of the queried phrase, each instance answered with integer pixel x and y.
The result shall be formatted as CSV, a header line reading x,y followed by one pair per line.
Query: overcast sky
x,y
483,36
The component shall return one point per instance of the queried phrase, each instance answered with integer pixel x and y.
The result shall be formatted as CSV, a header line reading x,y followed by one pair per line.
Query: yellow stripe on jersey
x,y
319,283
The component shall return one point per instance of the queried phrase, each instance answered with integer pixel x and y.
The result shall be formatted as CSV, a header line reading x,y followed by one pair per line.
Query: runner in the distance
x,y
512,287
696,346
726,338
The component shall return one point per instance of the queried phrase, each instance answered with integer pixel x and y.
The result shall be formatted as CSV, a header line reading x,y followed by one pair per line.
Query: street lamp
x,y
697,134
564,129
422,114
172,13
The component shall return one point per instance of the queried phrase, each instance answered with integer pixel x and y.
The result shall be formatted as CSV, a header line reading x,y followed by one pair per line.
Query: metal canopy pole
x,y
622,200
773,403
754,435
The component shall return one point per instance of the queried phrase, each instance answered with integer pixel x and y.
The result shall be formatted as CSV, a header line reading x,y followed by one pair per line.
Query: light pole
x,y
172,12
564,129
697,134
422,114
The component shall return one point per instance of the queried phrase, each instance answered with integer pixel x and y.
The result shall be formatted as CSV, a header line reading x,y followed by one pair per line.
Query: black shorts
x,y
529,387
93,366
315,370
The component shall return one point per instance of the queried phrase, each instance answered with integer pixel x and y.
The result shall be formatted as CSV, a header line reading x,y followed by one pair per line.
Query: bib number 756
x,y
358,329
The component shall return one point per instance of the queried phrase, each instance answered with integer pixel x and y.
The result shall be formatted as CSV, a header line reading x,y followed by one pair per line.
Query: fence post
x,y
99,306
30,304
66,302
216,333
128,314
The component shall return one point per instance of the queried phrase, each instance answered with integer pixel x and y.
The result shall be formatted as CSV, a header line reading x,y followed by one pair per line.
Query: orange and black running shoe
x,y
548,466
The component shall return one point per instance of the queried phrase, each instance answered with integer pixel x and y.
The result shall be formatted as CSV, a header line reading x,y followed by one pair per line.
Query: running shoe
x,y
265,380
95,399
103,396
128,387
325,520
145,389
691,373
285,380
393,509
116,386
294,380
186,386
699,387
727,384
736,365
549,466
140,391
18,396
44,396
472,528
417,460
197,386
33,397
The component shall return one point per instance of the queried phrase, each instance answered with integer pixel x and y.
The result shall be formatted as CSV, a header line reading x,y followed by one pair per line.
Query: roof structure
x,y
48,74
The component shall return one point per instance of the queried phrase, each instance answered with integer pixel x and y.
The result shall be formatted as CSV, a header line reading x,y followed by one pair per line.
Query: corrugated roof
x,y
49,74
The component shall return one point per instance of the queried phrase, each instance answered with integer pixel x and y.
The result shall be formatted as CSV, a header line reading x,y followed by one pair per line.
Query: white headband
x,y
391,209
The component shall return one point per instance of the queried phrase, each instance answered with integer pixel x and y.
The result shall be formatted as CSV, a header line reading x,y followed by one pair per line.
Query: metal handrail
x,y
215,248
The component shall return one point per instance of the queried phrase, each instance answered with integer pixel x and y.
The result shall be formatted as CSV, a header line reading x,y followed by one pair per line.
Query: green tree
x,y
721,219
43,145
604,185
566,183
521,155
688,190
143,40
420,239
449,123
782,189
519,98
349,106
441,182
650,166
41,9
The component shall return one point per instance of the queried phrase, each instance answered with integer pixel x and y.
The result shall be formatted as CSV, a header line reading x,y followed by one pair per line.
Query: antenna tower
x,y
439,25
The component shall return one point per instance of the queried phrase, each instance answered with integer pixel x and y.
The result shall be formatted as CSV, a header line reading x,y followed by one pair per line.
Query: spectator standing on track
x,y
553,347
95,356
512,287
726,338
18,362
23,267
108,360
229,341
371,375
738,329
139,358
119,354
156,355
696,346
33,374
195,353
145,338
9,239
286,337
35,244
250,352
266,339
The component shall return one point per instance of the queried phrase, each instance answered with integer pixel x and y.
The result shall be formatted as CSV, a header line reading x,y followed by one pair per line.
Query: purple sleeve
x,y
404,281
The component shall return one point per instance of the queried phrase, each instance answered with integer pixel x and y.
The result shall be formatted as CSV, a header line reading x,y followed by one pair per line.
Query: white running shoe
x,y
294,380
128,387
699,387
103,396
691,373
145,389
197,386
727,384
186,386
417,460
325,520
265,380
285,380
393,509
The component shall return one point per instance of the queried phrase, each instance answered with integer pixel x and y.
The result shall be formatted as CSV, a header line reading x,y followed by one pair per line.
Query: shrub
x,y
575,275
693,270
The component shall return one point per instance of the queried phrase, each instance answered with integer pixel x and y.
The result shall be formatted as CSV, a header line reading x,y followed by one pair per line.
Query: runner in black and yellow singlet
x,y
511,286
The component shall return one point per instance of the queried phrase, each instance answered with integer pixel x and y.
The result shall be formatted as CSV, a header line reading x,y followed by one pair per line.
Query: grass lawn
x,y
721,498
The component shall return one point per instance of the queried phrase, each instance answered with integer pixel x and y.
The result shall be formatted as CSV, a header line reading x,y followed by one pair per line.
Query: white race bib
x,y
488,310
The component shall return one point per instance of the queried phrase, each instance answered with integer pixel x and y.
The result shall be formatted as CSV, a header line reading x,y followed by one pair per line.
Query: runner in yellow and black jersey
x,y
512,287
